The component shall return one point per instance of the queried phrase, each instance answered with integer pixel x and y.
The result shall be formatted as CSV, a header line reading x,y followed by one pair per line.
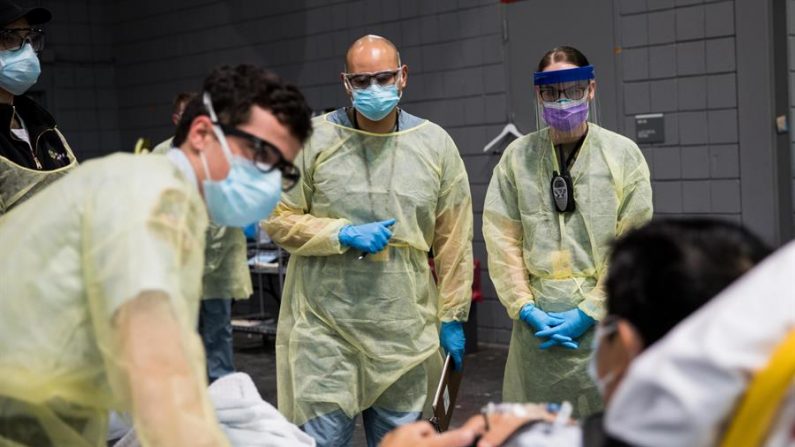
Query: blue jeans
x,y
335,429
215,328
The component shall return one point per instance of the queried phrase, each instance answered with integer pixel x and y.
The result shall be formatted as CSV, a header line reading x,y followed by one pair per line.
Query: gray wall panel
x,y
693,68
78,81
111,70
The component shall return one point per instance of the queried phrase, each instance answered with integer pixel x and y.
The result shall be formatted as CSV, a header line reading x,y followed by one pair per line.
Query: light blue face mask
x,y
375,102
19,69
247,195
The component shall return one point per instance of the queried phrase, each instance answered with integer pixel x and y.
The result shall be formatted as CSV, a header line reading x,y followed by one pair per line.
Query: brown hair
x,y
563,54
235,89
181,100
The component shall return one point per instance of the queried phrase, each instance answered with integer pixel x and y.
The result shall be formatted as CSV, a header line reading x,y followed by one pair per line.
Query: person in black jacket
x,y
33,152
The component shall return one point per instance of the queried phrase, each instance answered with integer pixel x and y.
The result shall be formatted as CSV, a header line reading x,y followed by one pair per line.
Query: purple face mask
x,y
566,116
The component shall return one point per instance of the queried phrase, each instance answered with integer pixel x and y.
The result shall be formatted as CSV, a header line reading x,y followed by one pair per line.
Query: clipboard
x,y
446,393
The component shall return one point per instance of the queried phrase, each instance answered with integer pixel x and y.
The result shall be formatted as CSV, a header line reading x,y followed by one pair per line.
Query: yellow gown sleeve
x,y
635,210
452,241
143,262
167,393
502,231
293,227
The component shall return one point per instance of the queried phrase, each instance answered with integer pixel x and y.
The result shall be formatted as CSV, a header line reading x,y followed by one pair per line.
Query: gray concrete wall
x,y
453,50
77,84
112,69
710,66
678,58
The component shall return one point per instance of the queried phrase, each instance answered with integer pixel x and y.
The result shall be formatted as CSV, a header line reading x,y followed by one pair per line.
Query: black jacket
x,y
594,434
48,150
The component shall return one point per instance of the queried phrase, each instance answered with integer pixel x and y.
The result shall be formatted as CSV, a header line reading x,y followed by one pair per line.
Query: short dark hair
x,y
235,89
181,100
661,273
563,54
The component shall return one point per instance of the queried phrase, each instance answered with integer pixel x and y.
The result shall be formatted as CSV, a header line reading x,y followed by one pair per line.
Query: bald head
x,y
372,53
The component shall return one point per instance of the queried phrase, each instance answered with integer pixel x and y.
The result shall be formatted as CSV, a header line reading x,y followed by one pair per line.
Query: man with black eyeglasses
x,y
33,152
226,274
120,241
362,319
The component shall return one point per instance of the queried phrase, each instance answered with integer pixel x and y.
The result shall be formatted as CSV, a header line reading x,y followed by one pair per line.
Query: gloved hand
x,y
576,322
369,238
541,321
251,231
451,336
555,340
537,318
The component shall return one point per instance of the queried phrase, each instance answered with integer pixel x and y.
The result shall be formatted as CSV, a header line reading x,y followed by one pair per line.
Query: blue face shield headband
x,y
585,73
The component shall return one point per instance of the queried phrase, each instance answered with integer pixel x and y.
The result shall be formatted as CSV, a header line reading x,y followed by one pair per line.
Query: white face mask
x,y
603,382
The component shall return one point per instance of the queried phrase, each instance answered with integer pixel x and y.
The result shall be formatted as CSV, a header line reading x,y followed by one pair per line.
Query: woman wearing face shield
x,y
556,200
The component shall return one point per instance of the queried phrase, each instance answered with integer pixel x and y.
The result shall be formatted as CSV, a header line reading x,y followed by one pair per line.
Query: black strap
x,y
564,168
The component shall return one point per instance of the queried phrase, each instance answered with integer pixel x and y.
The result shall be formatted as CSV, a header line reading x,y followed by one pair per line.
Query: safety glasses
x,y
12,39
267,157
551,93
364,80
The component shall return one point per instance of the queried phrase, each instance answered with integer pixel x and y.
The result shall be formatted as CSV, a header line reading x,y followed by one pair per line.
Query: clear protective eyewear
x,y
565,101
365,80
552,93
12,39
267,157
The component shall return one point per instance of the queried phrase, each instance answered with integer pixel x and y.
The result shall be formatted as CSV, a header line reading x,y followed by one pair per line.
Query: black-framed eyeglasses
x,y
12,39
575,92
267,157
364,80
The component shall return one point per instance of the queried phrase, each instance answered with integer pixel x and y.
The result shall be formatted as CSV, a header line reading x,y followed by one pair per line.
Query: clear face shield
x,y
566,102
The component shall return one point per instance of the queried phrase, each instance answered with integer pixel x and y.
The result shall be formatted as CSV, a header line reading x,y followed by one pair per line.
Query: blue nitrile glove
x,y
451,336
369,238
576,322
537,318
251,231
556,341
540,321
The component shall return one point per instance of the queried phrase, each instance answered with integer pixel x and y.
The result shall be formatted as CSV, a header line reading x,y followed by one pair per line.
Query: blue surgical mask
x,y
19,69
247,195
375,102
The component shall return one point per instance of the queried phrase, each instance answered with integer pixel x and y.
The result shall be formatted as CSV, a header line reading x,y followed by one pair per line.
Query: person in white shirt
x,y
684,391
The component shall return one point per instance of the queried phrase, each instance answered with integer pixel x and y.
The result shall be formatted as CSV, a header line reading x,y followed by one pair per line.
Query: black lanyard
x,y
564,168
